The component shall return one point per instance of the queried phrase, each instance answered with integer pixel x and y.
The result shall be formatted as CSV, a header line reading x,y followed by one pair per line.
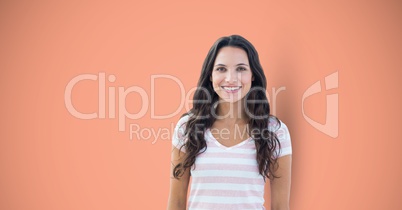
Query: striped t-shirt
x,y
228,177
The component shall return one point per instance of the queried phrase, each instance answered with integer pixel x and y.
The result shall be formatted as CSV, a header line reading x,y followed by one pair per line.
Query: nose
x,y
231,76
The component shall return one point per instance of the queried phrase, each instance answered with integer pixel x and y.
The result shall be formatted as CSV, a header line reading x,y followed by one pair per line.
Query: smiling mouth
x,y
231,89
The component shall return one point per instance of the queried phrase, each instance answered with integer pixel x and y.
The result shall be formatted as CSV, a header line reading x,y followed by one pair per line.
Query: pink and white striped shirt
x,y
228,177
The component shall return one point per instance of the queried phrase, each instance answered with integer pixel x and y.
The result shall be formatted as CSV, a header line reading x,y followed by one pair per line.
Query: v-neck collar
x,y
223,146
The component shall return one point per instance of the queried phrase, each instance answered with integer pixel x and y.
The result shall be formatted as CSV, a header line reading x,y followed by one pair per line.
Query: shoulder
x,y
275,124
282,132
182,121
179,136
280,128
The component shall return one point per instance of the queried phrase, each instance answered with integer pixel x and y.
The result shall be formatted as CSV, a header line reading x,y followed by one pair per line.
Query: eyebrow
x,y
240,64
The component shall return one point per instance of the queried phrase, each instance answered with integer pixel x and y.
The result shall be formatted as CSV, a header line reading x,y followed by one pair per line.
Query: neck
x,y
231,112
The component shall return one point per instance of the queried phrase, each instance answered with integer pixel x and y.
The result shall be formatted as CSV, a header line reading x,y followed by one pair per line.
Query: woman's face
x,y
231,74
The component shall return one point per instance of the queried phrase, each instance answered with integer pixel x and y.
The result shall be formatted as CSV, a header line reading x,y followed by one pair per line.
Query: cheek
x,y
246,79
216,79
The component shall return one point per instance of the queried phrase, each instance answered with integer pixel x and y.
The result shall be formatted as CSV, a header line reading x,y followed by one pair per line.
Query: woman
x,y
229,143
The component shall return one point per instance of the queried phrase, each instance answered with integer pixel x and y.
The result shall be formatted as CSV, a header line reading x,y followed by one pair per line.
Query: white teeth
x,y
231,88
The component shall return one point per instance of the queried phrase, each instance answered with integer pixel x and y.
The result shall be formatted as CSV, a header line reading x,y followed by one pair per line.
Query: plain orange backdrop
x,y
50,159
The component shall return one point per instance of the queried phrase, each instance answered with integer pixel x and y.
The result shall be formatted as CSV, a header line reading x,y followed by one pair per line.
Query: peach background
x,y
51,160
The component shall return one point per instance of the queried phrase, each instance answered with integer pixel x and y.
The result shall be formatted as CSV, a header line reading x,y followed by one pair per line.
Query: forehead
x,y
231,56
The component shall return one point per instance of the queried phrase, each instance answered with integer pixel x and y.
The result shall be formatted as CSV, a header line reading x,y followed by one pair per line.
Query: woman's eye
x,y
220,69
241,69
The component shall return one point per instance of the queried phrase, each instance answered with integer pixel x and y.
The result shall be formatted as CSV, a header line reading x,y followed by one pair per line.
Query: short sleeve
x,y
179,138
284,139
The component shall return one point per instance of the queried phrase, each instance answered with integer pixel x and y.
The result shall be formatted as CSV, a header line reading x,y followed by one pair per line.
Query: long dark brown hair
x,y
201,116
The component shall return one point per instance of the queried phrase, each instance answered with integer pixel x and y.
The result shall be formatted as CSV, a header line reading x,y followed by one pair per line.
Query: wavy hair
x,y
201,116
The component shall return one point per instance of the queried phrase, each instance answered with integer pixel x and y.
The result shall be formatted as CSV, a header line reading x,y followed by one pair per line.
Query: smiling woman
x,y
231,77
229,168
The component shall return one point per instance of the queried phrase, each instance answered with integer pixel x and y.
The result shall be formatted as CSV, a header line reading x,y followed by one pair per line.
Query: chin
x,y
231,100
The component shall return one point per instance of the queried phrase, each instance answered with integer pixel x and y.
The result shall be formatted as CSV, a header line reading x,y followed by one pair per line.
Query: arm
x,y
280,187
178,187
